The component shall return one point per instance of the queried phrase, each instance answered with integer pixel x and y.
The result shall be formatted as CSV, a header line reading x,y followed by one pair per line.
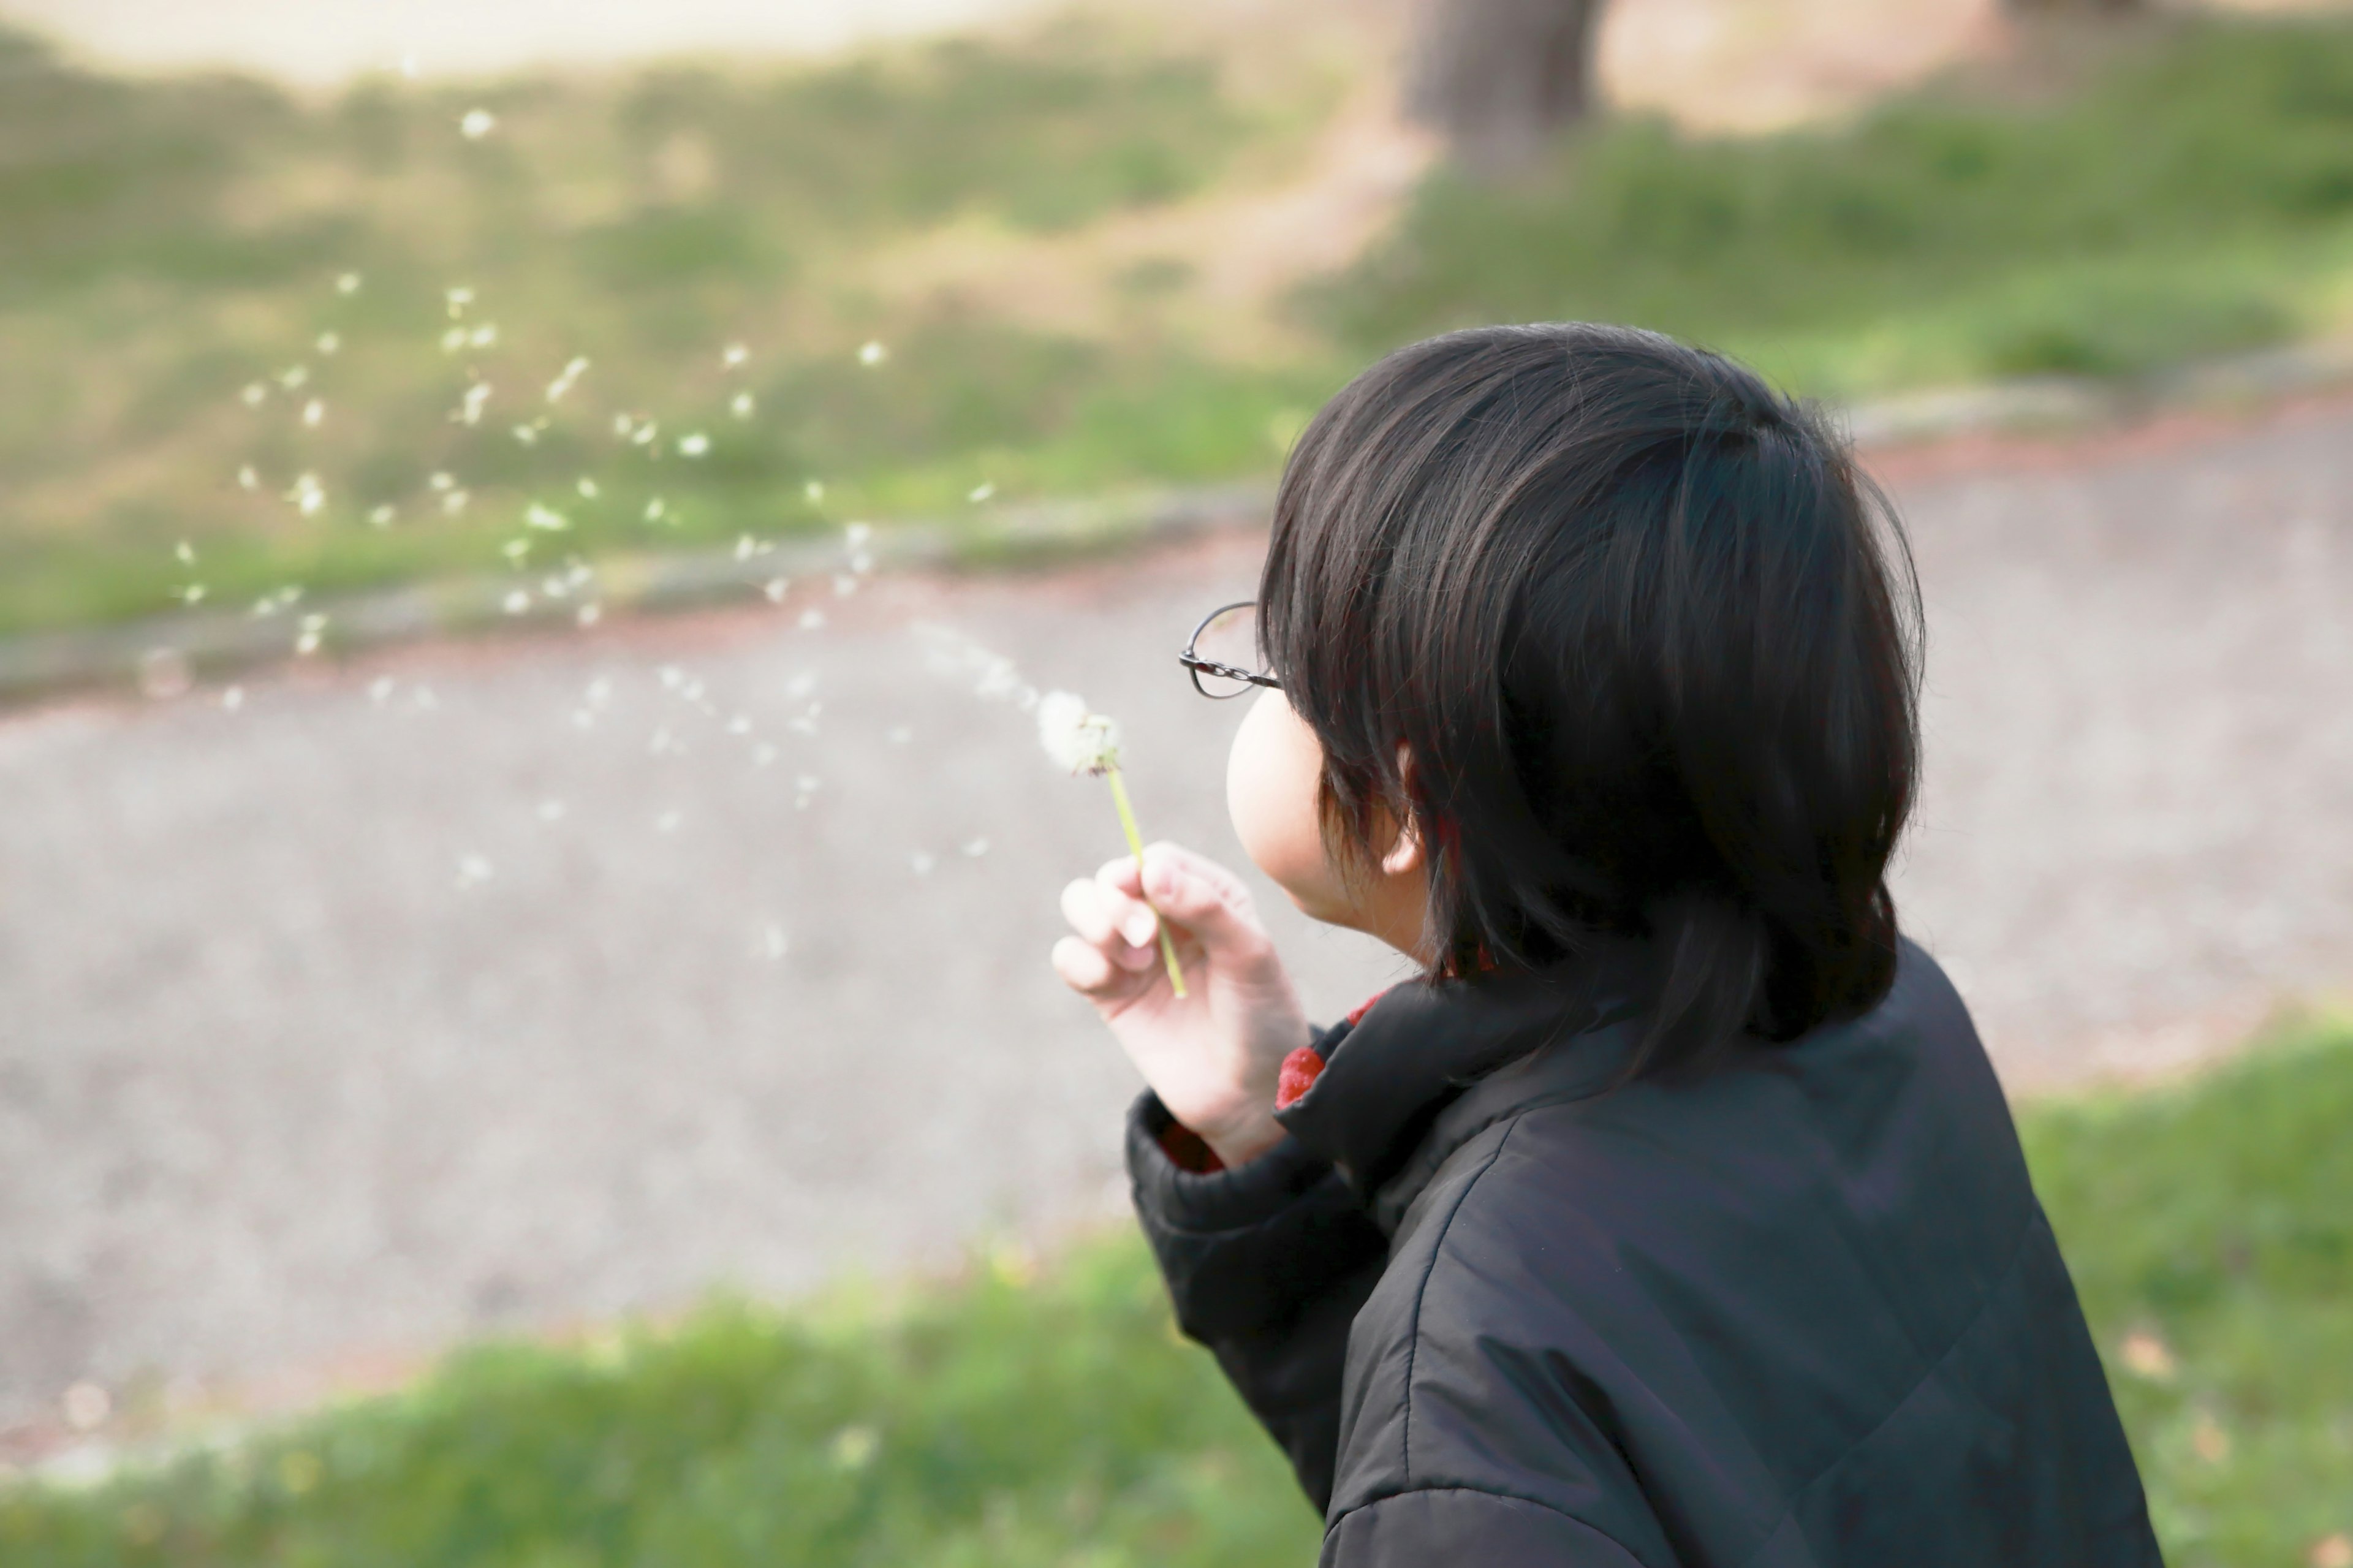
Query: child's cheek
x,y
1271,781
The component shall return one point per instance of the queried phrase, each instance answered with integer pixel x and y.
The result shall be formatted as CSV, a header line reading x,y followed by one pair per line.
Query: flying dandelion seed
x,y
308,495
566,380
587,488
381,517
663,744
314,630
544,517
442,482
469,412
314,412
233,698
981,491
733,356
349,283
899,734
253,394
588,615
814,490
454,503
423,700
514,549
811,619
380,690
922,861
246,478
800,685
329,341
671,676
473,870
644,434
551,811
739,725
668,821
458,298
293,377
483,336
805,790
857,534
185,553
526,434
408,66
974,849
516,603
861,562
193,595
476,123
872,353
763,754
741,405
769,941
694,446
776,588
844,584
656,509
453,339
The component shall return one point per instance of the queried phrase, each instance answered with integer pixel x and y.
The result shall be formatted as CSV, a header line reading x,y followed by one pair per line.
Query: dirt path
x,y
285,1074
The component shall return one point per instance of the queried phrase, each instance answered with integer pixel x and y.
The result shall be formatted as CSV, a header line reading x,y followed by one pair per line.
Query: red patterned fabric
x,y
1300,1070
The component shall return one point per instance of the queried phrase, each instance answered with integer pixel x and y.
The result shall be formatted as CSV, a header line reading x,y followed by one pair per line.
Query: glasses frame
x,y
1197,666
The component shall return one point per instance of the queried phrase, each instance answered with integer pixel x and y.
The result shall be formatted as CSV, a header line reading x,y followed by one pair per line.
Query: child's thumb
x,y
1197,903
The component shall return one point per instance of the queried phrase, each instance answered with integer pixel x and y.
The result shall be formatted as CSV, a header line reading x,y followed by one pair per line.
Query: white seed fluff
x,y
1079,741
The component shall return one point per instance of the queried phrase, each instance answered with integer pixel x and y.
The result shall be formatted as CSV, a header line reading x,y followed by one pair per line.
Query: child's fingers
x,y
1123,903
1083,967
1110,921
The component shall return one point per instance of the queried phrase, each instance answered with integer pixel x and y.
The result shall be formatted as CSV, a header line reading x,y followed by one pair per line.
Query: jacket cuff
x,y
1243,1249
1234,1198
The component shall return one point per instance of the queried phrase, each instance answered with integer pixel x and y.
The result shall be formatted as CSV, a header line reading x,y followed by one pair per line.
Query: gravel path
x,y
288,1076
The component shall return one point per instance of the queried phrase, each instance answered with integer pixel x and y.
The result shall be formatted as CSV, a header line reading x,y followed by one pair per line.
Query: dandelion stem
x,y
1135,846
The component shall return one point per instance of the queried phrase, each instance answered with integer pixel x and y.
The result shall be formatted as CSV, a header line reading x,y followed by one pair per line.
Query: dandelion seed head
x,y
476,123
872,353
1078,741
694,446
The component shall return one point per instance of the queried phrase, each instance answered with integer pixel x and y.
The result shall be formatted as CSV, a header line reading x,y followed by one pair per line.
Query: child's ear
x,y
1403,856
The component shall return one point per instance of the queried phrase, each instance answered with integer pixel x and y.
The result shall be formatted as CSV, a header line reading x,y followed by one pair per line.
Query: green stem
x,y
1136,846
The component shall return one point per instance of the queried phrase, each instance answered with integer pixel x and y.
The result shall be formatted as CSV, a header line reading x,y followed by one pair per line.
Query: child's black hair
x,y
1651,644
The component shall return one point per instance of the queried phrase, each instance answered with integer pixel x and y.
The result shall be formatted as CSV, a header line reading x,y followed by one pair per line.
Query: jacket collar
x,y
1434,1062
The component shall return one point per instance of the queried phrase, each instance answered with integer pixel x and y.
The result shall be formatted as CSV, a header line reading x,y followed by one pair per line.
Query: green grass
x,y
1028,1416
2194,194
165,243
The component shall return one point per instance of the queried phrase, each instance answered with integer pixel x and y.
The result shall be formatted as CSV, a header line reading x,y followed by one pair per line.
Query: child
x,y
1673,1215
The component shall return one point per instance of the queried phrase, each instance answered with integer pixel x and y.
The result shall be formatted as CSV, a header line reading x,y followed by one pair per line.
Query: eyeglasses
x,y
1223,654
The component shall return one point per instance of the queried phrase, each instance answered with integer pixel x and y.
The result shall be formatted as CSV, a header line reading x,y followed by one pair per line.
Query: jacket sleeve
x,y
1266,1265
1415,1529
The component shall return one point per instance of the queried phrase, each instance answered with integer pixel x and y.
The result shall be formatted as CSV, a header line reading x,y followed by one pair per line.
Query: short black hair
x,y
1651,643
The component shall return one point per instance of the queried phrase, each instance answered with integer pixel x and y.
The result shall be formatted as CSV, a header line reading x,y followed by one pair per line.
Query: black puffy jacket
x,y
1802,1311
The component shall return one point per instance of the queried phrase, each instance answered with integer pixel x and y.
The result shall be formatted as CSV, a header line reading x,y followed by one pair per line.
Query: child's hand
x,y
1212,1058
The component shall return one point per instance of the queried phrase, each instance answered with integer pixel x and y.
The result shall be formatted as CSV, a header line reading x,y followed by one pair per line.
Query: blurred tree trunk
x,y
1499,79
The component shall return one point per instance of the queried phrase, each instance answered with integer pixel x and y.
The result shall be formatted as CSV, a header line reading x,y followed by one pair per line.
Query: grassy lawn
x,y
174,252
1032,1415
